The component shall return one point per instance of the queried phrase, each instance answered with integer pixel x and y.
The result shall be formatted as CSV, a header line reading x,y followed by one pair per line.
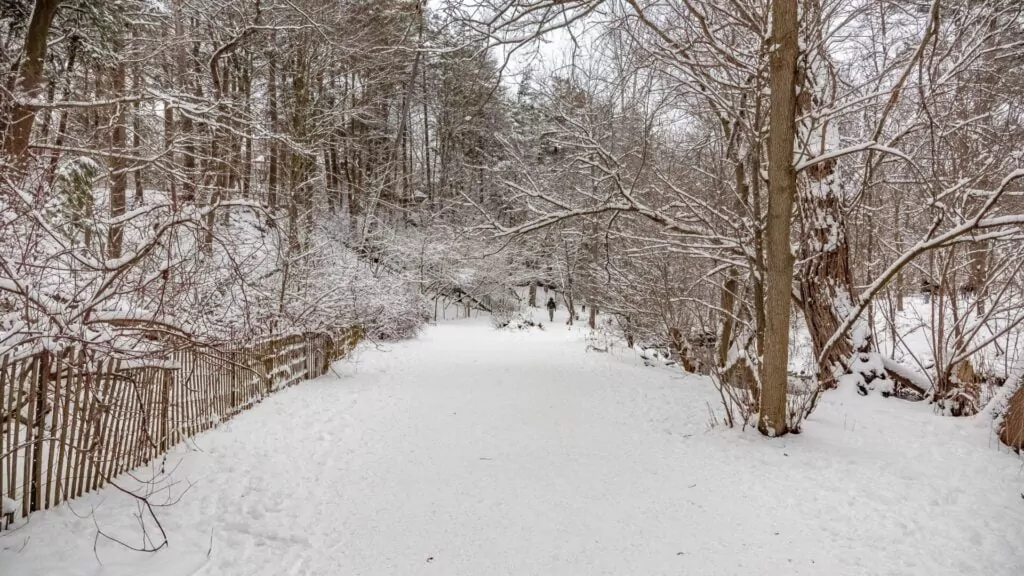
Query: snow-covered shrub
x,y
603,337
871,375
517,322
505,311
175,278
331,285
451,268
73,206
654,355
57,287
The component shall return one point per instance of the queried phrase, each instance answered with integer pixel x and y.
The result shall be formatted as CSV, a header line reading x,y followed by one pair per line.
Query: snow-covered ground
x,y
478,451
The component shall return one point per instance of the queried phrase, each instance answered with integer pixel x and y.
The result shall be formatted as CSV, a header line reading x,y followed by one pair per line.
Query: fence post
x,y
52,473
38,422
236,380
5,398
165,418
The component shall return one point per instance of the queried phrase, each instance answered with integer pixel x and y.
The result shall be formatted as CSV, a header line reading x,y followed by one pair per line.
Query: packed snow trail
x,y
472,451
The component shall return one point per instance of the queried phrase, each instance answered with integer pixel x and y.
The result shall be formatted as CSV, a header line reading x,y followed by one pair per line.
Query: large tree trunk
x,y
825,279
19,115
781,191
1011,431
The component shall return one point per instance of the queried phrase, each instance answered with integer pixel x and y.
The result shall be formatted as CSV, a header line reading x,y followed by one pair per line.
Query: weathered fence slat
x,y
52,436
28,496
84,407
5,447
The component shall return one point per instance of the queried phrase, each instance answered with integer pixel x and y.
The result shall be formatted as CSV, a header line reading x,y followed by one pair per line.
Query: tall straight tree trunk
x,y
136,118
339,182
985,83
169,135
62,124
44,129
426,140
781,191
18,115
900,288
329,177
273,166
225,149
137,149
246,174
301,164
184,125
117,165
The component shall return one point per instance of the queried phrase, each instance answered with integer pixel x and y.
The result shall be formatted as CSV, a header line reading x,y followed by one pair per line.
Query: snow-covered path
x,y
481,452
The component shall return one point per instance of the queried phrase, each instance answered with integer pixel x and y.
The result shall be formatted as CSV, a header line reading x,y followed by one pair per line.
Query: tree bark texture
x,y
20,115
781,192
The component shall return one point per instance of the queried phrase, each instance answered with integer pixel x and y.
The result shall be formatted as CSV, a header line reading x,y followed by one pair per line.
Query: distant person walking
x,y
551,309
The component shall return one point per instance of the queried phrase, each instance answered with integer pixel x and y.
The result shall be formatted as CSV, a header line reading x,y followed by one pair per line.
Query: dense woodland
x,y
786,195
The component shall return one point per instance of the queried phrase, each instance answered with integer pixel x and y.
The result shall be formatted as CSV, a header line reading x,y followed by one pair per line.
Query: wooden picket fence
x,y
69,423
